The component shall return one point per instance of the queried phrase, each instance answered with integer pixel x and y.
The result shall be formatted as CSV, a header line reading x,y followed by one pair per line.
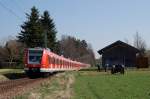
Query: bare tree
x,y
77,49
2,53
11,51
67,47
139,43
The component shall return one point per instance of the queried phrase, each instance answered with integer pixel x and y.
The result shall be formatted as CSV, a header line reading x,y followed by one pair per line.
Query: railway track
x,y
9,89
8,85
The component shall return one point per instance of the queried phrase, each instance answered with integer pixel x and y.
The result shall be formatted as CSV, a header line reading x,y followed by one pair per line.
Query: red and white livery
x,y
41,60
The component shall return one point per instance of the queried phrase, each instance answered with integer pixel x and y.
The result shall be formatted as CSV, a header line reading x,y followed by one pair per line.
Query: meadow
x,y
134,84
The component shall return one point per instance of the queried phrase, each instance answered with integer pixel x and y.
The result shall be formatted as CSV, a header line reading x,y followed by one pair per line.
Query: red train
x,y
43,61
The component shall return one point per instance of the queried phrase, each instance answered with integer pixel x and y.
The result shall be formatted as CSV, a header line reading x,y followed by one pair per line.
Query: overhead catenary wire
x,y
10,11
17,6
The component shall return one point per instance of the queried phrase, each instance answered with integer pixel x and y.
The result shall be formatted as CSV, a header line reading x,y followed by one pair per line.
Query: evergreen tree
x,y
31,31
39,32
49,31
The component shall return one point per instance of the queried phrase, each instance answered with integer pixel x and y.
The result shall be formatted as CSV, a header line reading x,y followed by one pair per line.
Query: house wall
x,y
119,55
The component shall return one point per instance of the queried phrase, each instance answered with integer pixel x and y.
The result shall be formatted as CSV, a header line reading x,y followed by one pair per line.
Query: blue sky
x,y
100,22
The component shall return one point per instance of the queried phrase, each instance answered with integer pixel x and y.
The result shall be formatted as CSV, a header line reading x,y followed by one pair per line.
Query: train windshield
x,y
35,56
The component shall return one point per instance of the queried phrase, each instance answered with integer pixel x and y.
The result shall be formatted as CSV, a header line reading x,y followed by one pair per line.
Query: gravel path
x,y
9,89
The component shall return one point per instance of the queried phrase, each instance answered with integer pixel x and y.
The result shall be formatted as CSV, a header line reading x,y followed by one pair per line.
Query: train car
x,y
43,61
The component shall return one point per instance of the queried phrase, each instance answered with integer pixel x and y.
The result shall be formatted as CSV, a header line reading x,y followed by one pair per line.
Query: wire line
x,y
9,10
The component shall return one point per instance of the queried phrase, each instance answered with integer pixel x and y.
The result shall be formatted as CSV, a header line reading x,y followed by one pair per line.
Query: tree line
x,y
76,49
40,31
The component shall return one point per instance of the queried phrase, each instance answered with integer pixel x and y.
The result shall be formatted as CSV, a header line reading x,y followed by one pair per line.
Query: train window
x,y
35,56
52,60
60,62
56,61
64,63
49,60
67,64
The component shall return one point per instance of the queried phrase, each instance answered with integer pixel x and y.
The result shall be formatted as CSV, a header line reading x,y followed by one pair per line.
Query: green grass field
x,y
100,85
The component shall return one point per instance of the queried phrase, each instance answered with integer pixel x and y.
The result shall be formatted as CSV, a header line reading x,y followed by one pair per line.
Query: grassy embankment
x,y
57,87
3,71
100,85
6,73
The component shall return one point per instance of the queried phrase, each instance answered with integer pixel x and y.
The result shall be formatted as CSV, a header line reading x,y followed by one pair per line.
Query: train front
x,y
32,60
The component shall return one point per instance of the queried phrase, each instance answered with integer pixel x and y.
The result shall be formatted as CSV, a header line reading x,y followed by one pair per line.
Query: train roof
x,y
48,51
